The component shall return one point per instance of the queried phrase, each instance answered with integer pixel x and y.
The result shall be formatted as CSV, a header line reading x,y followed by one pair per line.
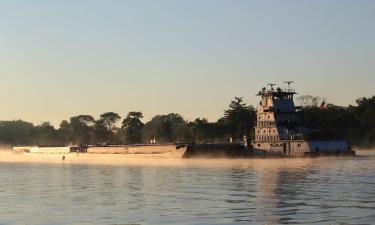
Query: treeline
x,y
356,124
237,121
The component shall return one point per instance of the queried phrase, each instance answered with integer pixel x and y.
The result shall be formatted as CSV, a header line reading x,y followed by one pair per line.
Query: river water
x,y
254,191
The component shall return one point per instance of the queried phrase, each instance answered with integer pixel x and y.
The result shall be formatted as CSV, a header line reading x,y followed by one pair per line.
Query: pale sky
x,y
64,58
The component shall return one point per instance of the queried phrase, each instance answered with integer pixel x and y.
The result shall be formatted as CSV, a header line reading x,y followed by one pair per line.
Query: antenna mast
x,y
289,82
271,85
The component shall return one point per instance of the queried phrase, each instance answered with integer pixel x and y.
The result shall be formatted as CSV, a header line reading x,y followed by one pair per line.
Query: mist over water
x,y
252,191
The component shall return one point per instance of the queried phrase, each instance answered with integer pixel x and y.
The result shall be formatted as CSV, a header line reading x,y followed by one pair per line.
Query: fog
x,y
8,156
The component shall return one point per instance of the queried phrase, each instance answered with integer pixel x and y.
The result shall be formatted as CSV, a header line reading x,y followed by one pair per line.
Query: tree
x,y
239,118
101,132
365,113
109,119
168,128
131,128
45,134
82,129
309,101
203,130
16,132
104,128
65,131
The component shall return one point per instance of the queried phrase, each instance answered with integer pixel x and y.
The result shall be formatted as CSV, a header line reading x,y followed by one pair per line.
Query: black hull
x,y
332,153
217,151
240,151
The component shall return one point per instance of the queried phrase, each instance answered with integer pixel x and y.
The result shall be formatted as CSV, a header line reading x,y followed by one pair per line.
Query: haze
x,y
64,58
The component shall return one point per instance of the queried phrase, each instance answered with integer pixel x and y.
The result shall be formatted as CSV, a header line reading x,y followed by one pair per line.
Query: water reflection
x,y
276,183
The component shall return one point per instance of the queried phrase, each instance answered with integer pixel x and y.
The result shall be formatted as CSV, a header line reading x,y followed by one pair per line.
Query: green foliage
x,y
167,129
324,121
203,130
353,123
82,128
65,132
16,132
109,119
105,129
46,134
239,118
102,133
131,129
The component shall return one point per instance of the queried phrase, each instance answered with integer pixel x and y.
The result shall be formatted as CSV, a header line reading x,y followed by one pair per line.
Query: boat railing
x,y
296,136
265,124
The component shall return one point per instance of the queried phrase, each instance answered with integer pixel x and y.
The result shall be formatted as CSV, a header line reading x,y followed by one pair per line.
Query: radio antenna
x,y
289,82
271,85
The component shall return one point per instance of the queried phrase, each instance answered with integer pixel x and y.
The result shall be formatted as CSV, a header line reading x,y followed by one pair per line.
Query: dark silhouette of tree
x,y
365,113
105,128
66,134
203,130
239,118
16,132
82,129
46,134
169,128
102,134
131,128
309,101
109,119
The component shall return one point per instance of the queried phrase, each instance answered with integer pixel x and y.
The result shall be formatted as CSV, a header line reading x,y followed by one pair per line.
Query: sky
x,y
59,59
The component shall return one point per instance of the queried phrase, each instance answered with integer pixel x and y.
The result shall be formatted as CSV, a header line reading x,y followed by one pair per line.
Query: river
x,y
253,191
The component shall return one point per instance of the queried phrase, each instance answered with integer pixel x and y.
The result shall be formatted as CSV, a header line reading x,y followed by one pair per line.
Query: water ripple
x,y
291,191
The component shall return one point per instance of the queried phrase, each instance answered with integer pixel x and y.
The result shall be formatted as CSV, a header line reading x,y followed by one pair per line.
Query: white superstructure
x,y
278,131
